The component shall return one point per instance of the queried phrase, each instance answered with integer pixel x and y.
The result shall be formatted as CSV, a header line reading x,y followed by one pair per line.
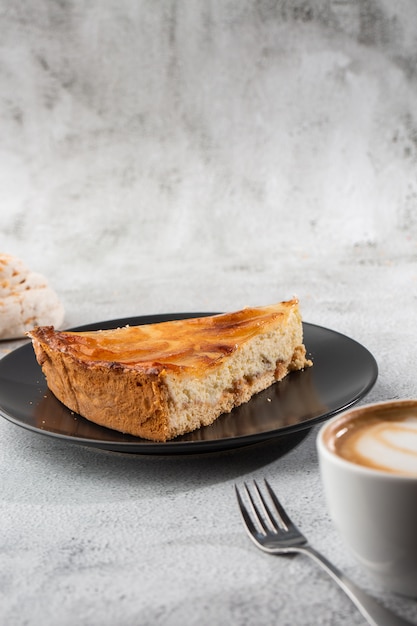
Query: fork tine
x,y
247,518
287,522
258,515
265,508
255,510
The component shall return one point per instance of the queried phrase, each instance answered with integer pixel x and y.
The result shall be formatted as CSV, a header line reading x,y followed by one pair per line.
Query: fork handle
x,y
375,613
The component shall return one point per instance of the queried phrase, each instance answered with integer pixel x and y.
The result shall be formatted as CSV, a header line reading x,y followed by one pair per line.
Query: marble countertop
x,y
200,157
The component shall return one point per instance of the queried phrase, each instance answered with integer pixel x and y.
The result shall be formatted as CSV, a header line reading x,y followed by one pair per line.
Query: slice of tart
x,y
158,381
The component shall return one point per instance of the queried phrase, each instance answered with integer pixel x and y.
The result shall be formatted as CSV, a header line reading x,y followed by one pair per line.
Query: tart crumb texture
x,y
159,381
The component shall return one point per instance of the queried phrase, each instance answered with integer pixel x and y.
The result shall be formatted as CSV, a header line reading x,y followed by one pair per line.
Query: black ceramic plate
x,y
343,372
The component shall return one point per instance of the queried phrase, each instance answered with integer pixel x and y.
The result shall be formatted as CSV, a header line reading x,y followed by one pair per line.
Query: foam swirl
x,y
389,445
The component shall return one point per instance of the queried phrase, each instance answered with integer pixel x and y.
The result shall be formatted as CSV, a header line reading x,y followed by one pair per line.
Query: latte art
x,y
385,440
390,446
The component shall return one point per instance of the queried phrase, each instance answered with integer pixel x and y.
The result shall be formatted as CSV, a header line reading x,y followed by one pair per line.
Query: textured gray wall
x,y
162,137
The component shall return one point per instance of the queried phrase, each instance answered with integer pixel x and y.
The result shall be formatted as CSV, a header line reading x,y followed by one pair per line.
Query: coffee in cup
x,y
385,440
368,465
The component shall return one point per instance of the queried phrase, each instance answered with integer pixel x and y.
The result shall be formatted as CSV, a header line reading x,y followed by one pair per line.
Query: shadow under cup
x,y
374,510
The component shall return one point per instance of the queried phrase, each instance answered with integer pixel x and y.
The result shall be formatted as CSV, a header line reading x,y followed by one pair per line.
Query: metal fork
x,y
272,531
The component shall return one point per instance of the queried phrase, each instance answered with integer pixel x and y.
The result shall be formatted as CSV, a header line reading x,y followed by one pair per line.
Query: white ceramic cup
x,y
374,509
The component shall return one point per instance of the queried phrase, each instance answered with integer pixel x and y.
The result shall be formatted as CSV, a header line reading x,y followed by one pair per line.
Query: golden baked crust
x,y
158,381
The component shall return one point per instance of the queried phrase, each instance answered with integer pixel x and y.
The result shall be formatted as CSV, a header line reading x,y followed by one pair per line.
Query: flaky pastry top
x,y
193,343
